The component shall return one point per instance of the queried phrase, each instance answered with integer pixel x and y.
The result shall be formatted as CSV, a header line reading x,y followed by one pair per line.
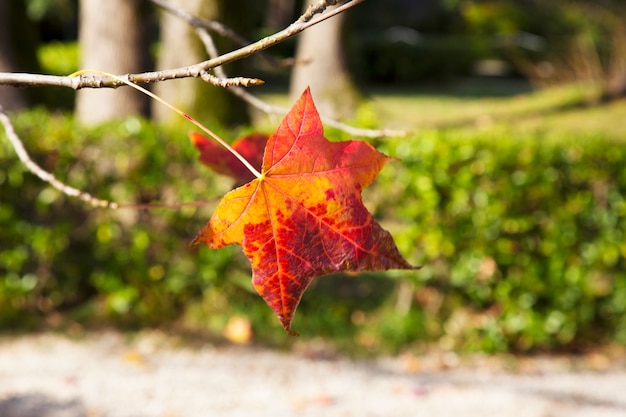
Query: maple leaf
x,y
223,162
304,217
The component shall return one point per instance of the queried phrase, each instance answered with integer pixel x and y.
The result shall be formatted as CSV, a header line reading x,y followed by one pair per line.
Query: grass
x,y
484,104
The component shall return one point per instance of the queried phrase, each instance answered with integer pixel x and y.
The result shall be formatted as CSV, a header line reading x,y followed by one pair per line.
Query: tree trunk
x,y
615,87
321,66
11,98
112,38
181,46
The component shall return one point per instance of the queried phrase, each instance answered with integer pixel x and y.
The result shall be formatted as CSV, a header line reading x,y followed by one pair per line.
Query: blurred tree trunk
x,y
113,38
181,46
321,66
238,15
616,73
11,98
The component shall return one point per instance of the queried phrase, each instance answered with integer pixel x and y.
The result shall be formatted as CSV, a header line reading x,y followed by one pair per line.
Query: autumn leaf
x,y
304,217
223,162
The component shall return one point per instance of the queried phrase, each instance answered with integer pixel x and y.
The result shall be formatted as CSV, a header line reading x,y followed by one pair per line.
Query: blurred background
x,y
509,190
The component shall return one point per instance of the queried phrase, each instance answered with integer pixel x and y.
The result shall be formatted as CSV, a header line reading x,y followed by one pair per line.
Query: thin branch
x,y
219,28
32,166
151,206
314,15
205,129
230,82
197,22
70,191
366,133
316,8
220,78
351,130
38,80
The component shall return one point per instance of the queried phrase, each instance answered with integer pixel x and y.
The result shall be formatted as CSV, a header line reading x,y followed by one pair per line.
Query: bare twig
x,y
219,28
46,176
313,16
230,82
197,22
43,174
351,130
222,80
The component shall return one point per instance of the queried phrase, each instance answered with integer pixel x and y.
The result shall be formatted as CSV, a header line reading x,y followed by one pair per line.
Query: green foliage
x,y
60,9
130,266
59,58
521,236
522,239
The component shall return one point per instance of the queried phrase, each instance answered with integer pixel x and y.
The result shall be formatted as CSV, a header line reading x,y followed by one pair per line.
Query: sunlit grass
x,y
488,104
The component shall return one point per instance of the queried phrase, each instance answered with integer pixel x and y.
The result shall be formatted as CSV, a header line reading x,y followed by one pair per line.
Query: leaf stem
x,y
205,129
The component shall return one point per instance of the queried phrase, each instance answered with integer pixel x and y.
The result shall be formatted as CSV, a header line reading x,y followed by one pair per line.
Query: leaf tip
x,y
291,332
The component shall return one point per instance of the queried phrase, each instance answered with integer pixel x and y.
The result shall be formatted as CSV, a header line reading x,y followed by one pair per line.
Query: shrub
x,y
129,266
521,239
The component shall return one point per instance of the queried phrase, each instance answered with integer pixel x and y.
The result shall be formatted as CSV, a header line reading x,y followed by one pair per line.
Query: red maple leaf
x,y
223,162
304,217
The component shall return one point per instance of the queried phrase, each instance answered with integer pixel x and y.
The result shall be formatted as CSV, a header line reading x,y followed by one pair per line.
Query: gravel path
x,y
107,376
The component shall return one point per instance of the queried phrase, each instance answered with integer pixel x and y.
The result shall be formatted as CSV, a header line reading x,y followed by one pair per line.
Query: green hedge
x,y
129,267
523,242
523,239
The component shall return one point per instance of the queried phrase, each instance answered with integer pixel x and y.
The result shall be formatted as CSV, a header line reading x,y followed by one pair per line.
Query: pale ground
x,y
108,376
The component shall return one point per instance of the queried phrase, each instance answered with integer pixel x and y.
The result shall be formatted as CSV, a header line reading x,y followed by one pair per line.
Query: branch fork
x,y
316,13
